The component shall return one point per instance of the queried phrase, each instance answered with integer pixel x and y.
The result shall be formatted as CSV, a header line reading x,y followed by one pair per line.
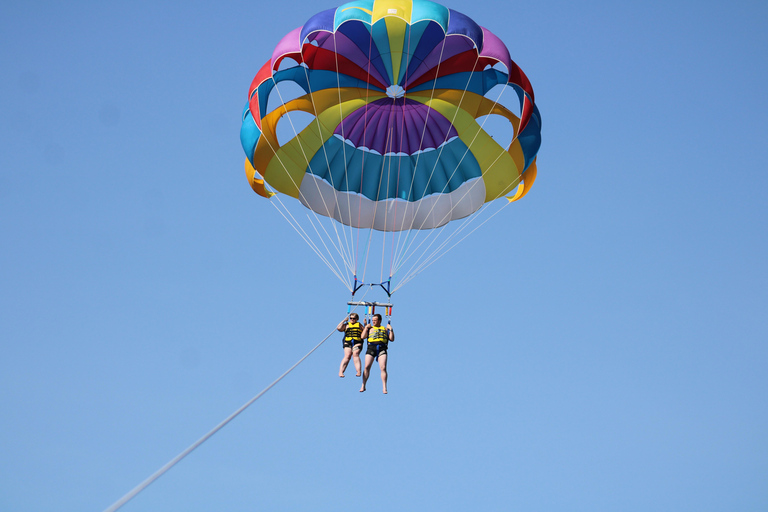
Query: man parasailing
x,y
378,338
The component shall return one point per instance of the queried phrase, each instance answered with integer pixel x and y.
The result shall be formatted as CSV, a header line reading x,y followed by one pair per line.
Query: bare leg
x,y
356,359
366,370
345,361
383,367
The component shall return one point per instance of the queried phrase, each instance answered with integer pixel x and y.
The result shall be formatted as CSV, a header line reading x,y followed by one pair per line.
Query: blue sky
x,y
598,346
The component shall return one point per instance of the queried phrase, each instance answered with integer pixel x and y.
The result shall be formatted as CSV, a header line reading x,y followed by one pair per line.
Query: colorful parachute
x,y
394,90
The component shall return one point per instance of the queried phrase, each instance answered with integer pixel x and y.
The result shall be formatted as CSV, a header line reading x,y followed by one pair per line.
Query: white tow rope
x,y
143,485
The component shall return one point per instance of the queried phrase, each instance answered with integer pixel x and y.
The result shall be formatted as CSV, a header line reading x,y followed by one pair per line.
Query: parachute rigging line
x,y
347,258
296,226
302,233
306,159
421,261
436,232
160,472
433,257
338,247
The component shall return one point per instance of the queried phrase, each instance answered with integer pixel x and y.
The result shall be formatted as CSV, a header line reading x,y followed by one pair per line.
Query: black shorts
x,y
376,349
352,344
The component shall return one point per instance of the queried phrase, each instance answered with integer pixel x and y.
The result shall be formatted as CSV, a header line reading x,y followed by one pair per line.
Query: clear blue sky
x,y
598,346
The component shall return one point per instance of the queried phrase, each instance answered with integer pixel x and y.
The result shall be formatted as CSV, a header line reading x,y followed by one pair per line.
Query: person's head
x,y
353,317
376,319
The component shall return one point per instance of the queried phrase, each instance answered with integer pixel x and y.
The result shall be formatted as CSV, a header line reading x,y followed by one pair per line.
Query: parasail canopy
x,y
386,103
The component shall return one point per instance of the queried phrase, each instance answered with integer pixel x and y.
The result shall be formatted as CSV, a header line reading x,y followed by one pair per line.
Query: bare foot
x,y
385,391
362,389
357,374
341,375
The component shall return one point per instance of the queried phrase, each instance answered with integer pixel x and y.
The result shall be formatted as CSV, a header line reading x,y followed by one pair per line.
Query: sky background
x,y
598,346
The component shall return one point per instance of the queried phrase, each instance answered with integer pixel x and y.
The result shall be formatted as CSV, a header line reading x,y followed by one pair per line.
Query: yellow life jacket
x,y
353,332
378,335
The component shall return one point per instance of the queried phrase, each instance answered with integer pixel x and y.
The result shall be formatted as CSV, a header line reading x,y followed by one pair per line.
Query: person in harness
x,y
353,343
378,338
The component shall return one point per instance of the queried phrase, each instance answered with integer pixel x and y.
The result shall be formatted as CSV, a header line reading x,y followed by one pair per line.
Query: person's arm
x,y
390,333
342,325
364,334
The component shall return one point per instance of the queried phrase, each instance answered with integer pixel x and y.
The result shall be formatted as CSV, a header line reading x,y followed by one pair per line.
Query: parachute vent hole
x,y
499,128
291,124
283,93
507,97
500,66
287,63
